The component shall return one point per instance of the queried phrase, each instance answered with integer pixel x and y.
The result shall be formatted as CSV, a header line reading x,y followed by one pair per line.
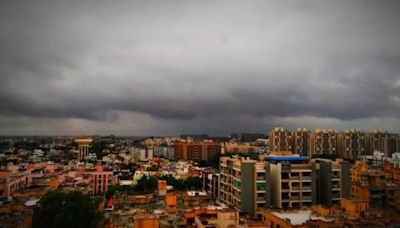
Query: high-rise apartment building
x,y
280,140
351,143
165,151
301,141
296,181
141,153
332,181
243,184
393,144
376,141
283,180
196,150
290,180
323,141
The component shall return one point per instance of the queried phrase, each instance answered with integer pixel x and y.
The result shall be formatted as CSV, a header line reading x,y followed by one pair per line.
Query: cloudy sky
x,y
170,67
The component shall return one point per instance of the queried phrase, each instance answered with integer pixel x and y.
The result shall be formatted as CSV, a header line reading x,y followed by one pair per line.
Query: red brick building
x,y
196,150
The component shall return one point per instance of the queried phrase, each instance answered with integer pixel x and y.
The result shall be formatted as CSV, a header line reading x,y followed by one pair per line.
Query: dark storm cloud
x,y
204,66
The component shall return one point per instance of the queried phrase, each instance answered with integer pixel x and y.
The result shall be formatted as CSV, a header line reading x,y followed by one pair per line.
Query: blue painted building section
x,y
288,158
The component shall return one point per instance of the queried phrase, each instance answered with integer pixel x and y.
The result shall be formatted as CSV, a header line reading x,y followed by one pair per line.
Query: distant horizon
x,y
178,135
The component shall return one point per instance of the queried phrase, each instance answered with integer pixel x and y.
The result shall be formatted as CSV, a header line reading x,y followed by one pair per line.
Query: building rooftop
x,y
295,217
288,158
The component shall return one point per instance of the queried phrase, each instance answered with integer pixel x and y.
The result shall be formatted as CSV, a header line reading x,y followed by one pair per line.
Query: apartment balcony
x,y
236,188
236,177
285,186
301,168
295,198
295,189
295,177
260,190
260,167
336,196
335,177
306,188
306,178
335,188
261,177
236,196
261,200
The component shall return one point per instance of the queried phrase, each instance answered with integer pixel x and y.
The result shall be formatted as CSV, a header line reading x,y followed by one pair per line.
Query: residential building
x,y
234,147
301,141
376,141
393,144
332,181
379,186
323,141
212,183
101,179
280,140
141,153
377,159
243,184
190,150
225,218
351,143
291,181
165,151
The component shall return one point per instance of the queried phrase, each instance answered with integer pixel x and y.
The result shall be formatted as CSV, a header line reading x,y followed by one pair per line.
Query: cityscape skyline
x,y
205,134
207,114
158,68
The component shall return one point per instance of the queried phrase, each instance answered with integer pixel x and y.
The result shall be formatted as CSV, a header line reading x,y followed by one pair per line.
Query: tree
x,y
119,188
171,180
146,184
58,209
193,183
98,147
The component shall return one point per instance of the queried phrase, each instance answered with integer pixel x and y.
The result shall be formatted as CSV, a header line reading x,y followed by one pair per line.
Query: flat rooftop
x,y
288,158
296,217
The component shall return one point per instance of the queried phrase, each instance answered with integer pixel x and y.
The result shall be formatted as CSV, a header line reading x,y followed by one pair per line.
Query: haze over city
x,y
171,67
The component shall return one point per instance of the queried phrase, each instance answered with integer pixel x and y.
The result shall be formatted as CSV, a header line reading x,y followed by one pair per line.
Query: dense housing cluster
x,y
281,179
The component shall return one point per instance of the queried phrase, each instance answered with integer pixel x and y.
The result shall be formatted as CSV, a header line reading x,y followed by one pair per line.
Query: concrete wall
x,y
268,185
325,184
345,179
275,179
314,183
247,198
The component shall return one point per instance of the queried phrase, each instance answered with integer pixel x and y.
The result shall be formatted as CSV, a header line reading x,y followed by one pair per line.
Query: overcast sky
x,y
170,67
